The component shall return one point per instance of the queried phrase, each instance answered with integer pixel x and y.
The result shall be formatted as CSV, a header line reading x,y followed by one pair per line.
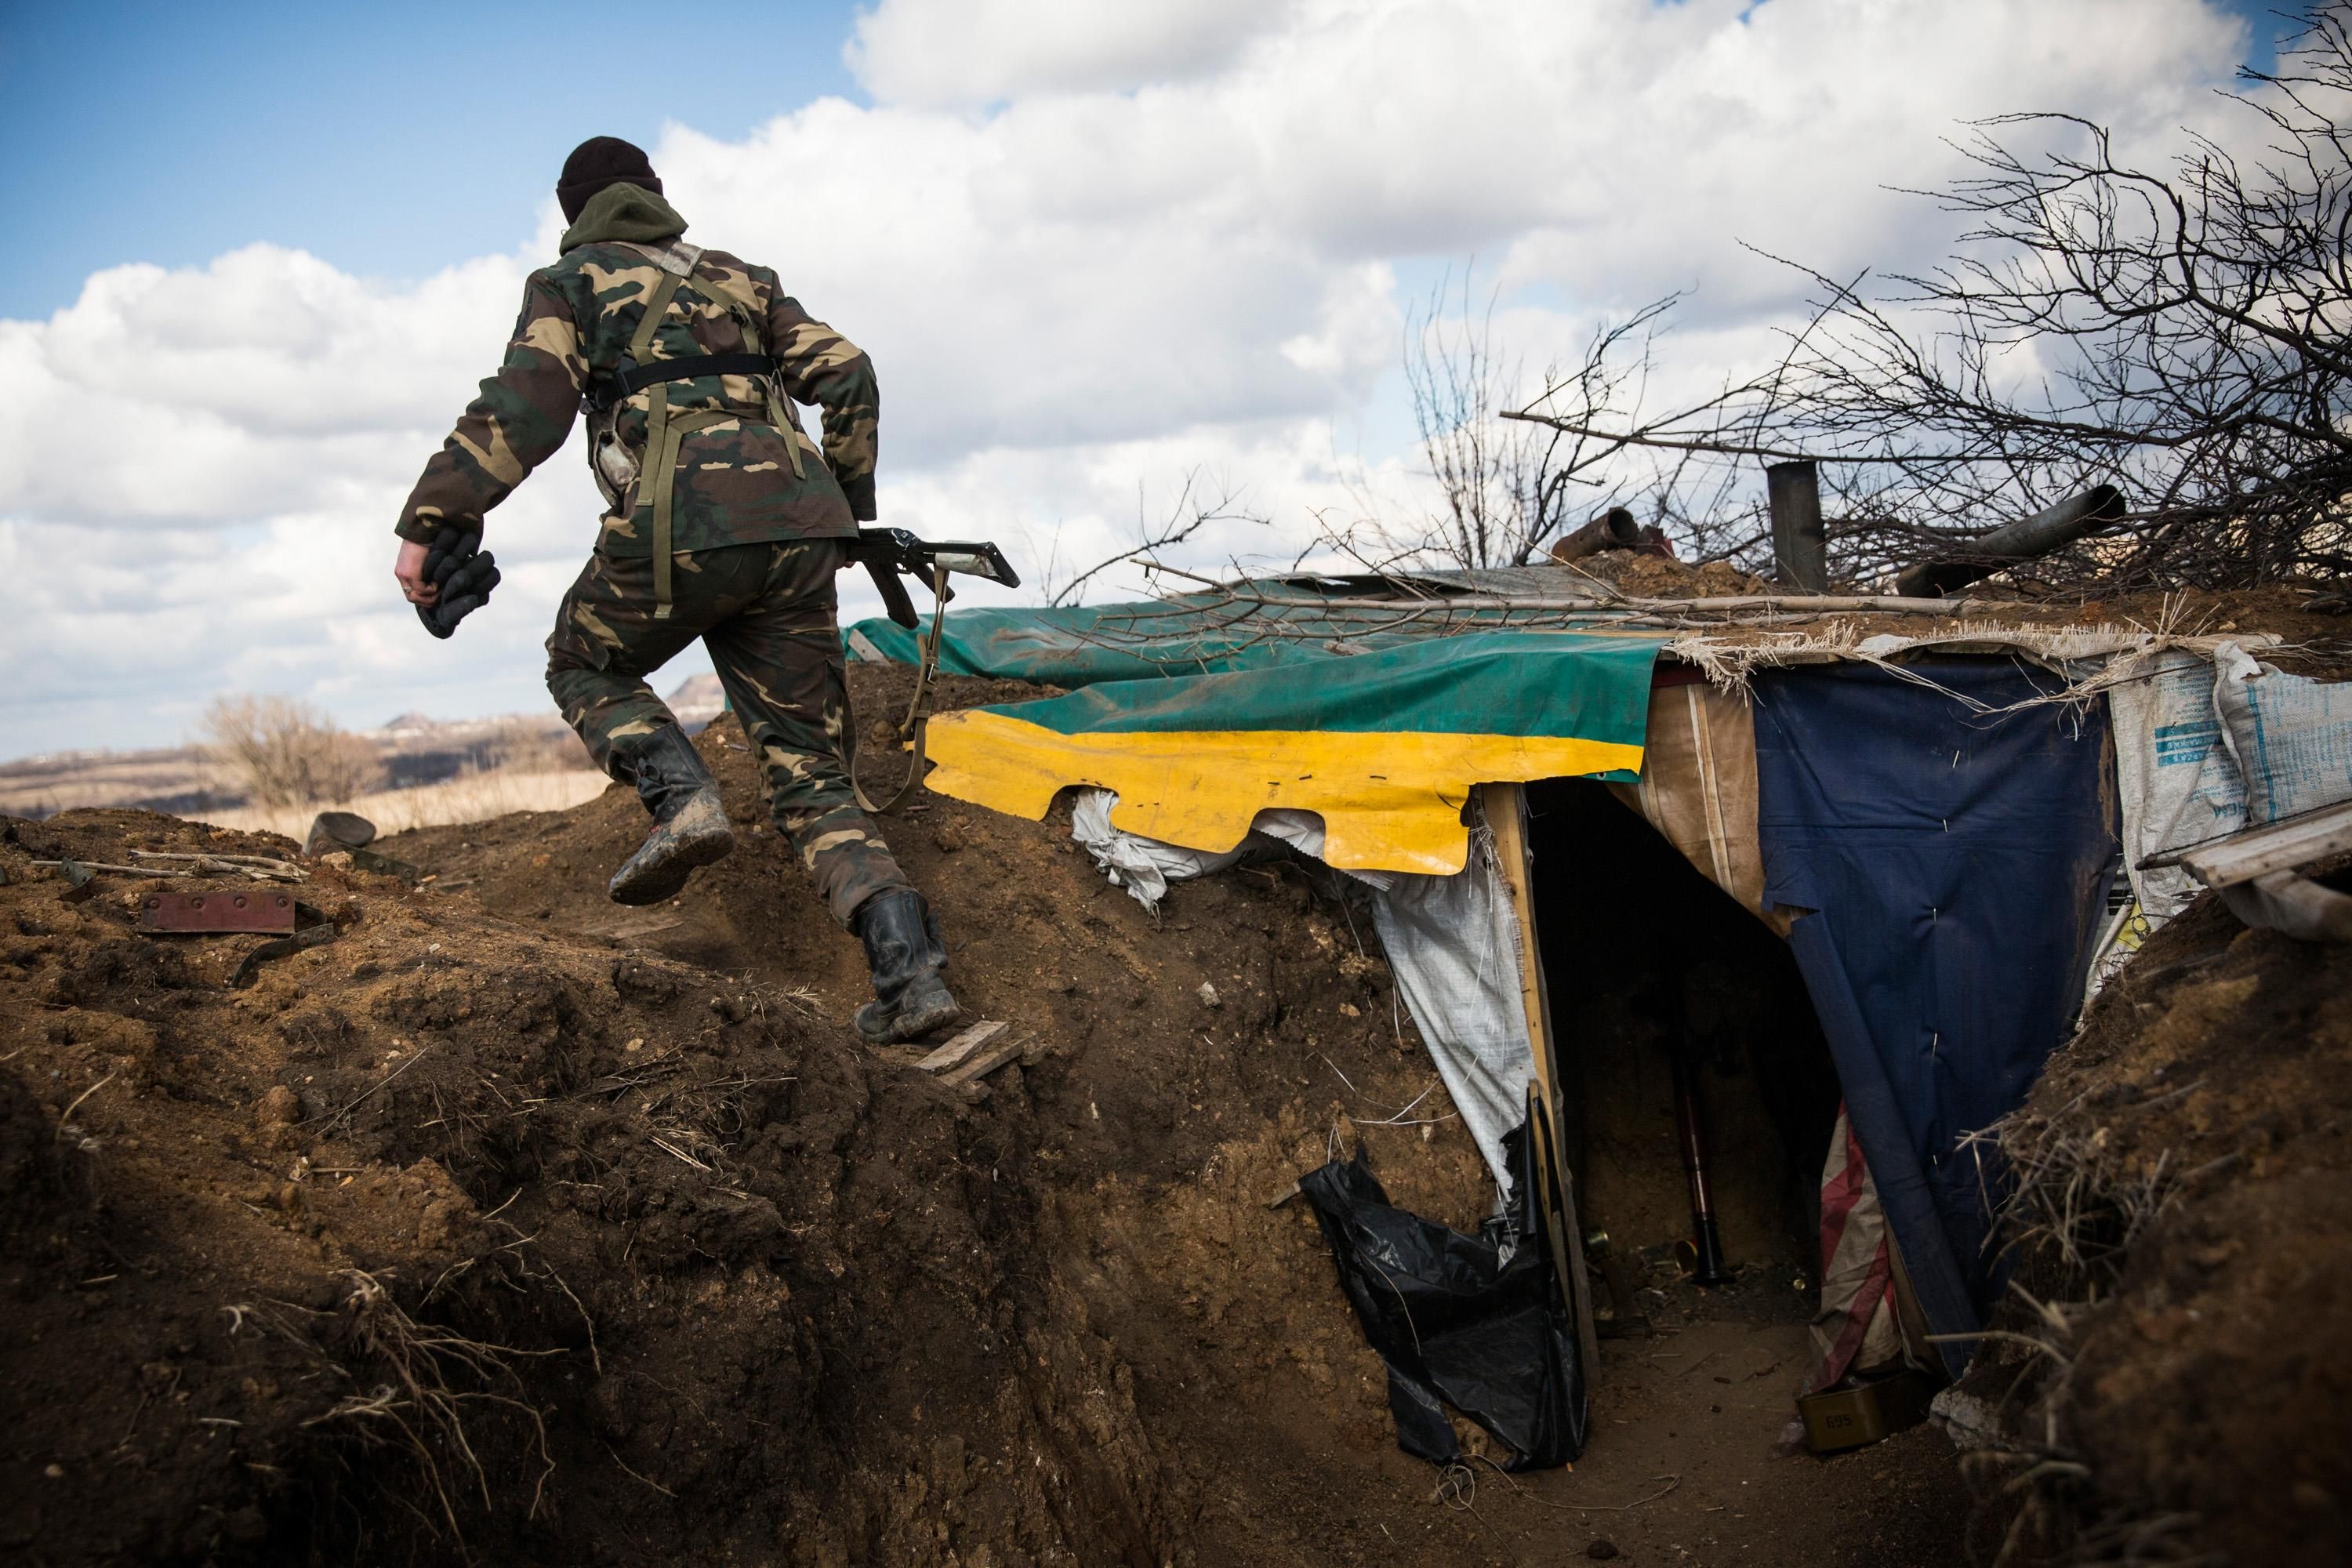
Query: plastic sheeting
x,y
1299,621
1383,745
2207,747
1144,867
1476,1322
1451,943
1956,865
2178,783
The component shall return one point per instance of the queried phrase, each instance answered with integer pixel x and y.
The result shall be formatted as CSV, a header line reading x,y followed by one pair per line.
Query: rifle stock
x,y
888,551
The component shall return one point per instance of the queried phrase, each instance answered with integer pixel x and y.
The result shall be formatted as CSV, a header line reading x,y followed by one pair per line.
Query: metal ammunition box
x,y
1840,1418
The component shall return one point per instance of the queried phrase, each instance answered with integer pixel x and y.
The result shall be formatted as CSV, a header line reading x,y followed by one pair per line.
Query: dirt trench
x,y
2172,1379
487,1233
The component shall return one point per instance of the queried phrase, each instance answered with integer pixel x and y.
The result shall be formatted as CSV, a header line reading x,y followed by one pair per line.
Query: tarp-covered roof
x,y
1285,620
1197,720
1377,702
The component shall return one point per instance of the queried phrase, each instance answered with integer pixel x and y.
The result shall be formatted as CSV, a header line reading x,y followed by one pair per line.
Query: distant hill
x,y
177,780
698,703
416,749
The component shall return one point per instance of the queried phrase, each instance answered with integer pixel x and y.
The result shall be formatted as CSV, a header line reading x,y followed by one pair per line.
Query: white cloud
x,y
948,52
1092,248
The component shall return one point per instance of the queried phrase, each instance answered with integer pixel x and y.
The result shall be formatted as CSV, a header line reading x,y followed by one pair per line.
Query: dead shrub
x,y
284,753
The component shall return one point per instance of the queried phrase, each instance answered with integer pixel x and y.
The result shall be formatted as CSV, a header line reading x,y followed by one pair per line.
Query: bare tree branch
x,y
2182,332
1186,517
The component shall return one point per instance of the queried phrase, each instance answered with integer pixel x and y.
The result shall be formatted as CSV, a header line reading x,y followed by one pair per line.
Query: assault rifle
x,y
888,551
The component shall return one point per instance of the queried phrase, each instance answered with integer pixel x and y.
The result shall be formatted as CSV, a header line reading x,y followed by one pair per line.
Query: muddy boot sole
x,y
927,1006
695,838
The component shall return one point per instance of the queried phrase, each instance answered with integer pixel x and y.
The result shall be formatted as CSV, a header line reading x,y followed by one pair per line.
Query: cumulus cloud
x,y
966,52
1092,250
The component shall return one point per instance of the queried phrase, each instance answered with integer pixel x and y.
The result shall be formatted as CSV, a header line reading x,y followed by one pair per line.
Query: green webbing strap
x,y
785,428
661,447
665,432
656,307
676,427
750,326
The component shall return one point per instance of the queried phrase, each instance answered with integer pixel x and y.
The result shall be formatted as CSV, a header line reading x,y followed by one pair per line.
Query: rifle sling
x,y
913,728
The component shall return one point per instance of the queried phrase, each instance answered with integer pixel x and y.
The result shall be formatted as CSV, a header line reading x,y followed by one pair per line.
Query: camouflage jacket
x,y
735,481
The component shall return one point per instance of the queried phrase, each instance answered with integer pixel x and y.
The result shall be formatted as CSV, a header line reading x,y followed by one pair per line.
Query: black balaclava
x,y
599,162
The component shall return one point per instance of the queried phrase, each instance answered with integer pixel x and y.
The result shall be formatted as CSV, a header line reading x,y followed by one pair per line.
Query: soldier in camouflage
x,y
722,523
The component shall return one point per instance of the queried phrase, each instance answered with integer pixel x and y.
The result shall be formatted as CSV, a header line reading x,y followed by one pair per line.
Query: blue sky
x,y
387,139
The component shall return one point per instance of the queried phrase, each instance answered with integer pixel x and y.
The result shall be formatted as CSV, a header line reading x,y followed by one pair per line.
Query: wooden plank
x,y
1555,1210
960,1049
986,1062
1506,814
2275,847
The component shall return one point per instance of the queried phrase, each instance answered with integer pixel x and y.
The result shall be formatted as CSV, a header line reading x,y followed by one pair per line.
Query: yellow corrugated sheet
x,y
1389,802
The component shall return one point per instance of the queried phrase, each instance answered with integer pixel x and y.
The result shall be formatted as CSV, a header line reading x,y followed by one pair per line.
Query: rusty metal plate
x,y
225,909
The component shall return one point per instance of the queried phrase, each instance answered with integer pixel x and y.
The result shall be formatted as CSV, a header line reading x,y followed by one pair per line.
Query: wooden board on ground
x,y
961,1047
1506,813
981,1066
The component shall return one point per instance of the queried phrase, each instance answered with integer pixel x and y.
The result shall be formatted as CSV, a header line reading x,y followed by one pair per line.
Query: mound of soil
x,y
515,1224
1648,576
2310,621
2189,1162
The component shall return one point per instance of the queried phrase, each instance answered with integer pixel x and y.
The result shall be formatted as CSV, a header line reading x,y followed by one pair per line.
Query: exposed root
x,y
416,1389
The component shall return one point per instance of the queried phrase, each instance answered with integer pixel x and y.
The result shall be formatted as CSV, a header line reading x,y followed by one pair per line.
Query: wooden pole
x,y
1506,813
1800,553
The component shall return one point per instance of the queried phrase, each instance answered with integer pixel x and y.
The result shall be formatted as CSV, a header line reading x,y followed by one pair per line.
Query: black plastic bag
x,y
1457,1325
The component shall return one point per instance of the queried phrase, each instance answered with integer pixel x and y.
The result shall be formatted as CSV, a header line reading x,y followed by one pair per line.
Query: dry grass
x,y
472,797
435,1375
2073,1201
2076,1208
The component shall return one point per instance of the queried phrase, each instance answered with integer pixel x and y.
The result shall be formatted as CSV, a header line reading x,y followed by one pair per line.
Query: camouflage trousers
x,y
766,613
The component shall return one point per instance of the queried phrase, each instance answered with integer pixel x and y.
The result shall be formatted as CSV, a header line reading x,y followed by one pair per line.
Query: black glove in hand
x,y
464,571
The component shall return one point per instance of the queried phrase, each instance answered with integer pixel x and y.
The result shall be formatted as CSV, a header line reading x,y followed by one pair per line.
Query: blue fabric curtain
x,y
1957,866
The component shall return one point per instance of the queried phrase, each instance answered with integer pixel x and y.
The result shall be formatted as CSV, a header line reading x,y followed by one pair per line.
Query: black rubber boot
x,y
689,823
902,947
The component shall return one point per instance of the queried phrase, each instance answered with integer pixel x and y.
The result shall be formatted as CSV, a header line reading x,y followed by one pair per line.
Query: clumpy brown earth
x,y
513,1225
1650,576
2187,1164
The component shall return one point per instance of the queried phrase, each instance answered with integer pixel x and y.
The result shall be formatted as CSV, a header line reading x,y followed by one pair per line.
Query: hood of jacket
x,y
623,212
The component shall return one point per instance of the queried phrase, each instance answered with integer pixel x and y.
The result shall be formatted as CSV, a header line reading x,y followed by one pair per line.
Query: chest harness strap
x,y
666,431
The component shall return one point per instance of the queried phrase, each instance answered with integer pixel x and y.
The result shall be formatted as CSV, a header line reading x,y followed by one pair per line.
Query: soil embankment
x,y
2182,1222
515,1218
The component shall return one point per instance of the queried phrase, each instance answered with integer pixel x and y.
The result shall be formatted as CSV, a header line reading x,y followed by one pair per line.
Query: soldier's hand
x,y
408,569
460,576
